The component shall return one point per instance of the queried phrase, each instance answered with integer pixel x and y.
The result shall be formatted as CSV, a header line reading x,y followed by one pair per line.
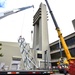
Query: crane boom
x,y
54,20
5,14
71,59
59,33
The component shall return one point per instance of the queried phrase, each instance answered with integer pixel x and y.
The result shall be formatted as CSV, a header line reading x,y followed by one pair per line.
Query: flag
x,y
2,3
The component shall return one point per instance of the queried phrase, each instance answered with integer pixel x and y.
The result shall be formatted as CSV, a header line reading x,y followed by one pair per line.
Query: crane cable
x,y
24,21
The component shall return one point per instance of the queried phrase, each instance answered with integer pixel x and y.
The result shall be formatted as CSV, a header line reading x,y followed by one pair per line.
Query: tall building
x,y
73,22
40,38
55,50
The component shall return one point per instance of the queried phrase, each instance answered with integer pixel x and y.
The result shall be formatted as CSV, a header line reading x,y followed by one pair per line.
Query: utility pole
x,y
45,60
60,48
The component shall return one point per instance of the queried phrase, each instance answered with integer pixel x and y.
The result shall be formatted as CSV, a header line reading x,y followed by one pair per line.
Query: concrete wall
x,y
40,39
9,49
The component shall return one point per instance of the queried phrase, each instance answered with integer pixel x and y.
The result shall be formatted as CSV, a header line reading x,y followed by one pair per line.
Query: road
x,y
59,74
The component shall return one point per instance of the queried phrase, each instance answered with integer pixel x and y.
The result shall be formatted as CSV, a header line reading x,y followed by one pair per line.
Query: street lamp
x,y
45,58
60,48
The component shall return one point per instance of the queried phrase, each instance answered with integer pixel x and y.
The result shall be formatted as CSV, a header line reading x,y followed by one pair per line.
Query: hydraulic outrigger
x,y
71,59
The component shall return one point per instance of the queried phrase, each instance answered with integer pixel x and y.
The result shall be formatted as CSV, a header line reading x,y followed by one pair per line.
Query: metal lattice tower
x,y
28,59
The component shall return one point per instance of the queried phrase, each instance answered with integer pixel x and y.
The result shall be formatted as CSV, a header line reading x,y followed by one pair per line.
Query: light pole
x,y
45,59
60,48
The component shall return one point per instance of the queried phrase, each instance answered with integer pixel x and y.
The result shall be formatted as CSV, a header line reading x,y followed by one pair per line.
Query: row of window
x,y
69,42
58,55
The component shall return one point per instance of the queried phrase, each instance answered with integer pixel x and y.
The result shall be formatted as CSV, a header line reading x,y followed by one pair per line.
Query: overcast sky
x,y
21,23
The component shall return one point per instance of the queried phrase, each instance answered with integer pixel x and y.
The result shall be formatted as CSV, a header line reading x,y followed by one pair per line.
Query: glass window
x,y
72,51
70,41
54,47
39,55
57,55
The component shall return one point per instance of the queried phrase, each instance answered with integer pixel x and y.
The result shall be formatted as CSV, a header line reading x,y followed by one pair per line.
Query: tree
x,y
1,55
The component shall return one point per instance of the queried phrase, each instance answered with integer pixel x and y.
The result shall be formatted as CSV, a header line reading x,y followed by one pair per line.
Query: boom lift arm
x,y
5,14
59,33
64,45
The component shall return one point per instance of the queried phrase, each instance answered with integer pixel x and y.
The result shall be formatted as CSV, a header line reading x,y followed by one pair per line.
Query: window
x,y
37,49
70,41
54,47
72,51
14,66
39,55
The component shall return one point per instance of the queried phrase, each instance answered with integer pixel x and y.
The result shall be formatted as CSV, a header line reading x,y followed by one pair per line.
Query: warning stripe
x,y
12,72
23,72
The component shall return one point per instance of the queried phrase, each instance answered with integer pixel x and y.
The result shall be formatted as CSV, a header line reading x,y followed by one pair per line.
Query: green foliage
x,y
1,55
0,48
0,44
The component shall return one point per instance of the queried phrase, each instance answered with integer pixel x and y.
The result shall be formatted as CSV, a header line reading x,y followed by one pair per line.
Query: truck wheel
x,y
65,72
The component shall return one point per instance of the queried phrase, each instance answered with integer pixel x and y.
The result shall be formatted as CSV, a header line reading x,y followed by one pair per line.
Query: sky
x,y
21,23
